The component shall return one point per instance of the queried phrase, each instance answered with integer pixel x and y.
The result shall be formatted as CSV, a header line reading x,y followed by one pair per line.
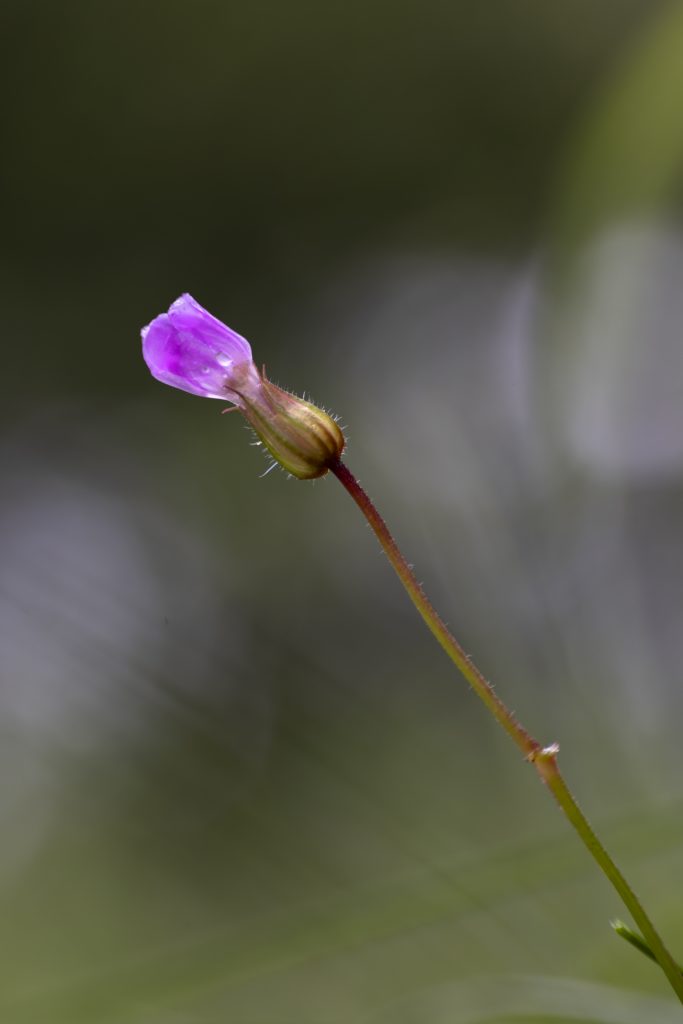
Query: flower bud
x,y
301,437
190,349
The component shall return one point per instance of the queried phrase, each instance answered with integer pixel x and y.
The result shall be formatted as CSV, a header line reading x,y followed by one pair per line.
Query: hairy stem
x,y
543,758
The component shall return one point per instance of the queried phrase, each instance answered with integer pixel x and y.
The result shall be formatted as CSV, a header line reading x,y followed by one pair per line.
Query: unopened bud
x,y
190,349
301,437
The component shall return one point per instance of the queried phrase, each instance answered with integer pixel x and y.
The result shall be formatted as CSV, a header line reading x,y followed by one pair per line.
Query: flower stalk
x,y
543,758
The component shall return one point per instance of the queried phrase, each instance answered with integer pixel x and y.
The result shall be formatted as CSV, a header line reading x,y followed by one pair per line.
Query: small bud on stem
x,y
190,349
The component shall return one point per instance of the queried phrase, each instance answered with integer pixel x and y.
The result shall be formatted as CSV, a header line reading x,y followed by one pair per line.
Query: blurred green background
x,y
239,781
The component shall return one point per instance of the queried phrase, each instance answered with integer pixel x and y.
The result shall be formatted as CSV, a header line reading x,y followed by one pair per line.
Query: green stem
x,y
637,941
543,758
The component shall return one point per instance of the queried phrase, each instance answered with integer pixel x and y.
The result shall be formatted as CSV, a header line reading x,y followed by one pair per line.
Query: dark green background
x,y
239,781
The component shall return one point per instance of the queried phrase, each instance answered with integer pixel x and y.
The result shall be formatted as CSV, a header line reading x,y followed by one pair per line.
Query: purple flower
x,y
192,350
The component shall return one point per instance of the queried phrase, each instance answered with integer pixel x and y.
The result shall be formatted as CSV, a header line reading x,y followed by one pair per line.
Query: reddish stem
x,y
543,758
